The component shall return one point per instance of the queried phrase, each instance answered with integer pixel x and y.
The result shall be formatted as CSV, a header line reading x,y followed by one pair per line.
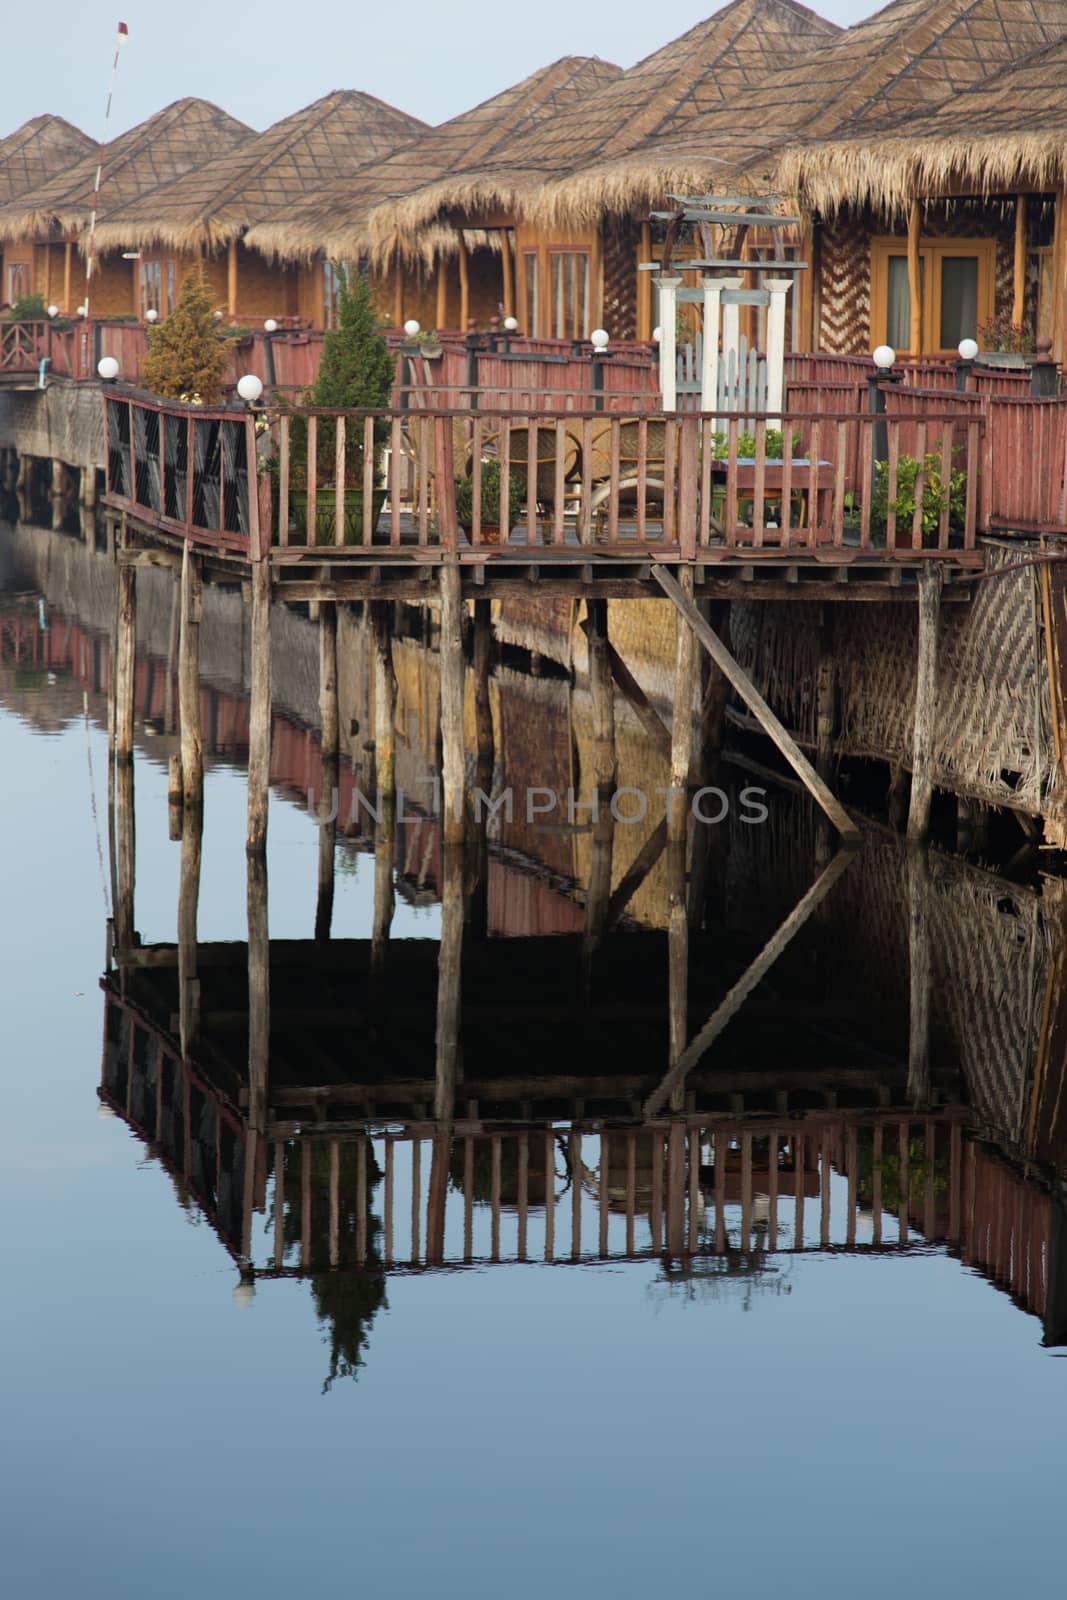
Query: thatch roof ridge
x,y
37,151
335,135
735,45
164,145
1009,128
333,217
883,61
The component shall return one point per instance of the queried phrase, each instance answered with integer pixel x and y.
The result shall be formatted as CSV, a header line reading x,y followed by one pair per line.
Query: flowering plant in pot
x,y
355,372
1005,343
489,501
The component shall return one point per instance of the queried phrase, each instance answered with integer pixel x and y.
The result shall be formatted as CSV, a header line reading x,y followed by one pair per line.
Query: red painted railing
x,y
676,487
23,345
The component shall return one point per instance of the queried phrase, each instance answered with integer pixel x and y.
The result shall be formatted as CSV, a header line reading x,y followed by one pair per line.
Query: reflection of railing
x,y
669,485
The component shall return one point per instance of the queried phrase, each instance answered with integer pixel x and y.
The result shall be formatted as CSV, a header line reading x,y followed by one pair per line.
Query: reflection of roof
x,y
163,147
42,149
332,218
269,173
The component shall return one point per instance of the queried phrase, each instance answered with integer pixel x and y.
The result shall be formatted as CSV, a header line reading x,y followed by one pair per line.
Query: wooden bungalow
x,y
573,272
41,150
450,274
203,217
46,222
600,181
946,220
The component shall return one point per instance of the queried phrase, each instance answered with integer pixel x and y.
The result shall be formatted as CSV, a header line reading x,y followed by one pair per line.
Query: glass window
x,y
156,287
532,327
18,281
898,304
331,281
569,274
959,299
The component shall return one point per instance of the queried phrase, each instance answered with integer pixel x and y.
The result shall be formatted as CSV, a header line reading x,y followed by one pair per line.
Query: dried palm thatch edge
x,y
889,173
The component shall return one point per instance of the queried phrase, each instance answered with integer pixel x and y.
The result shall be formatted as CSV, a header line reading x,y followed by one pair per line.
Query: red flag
x,y
123,29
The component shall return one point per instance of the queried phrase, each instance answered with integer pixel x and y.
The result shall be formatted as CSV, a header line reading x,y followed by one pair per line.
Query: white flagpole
x,y
120,37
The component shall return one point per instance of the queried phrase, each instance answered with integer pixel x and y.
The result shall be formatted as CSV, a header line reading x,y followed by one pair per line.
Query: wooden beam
x,y
329,722
507,273
1018,301
189,680
125,665
770,724
632,691
66,278
744,986
464,283
922,783
636,873
231,278
259,713
644,287
452,674
449,985
918,979
915,284
442,292
398,293
1059,274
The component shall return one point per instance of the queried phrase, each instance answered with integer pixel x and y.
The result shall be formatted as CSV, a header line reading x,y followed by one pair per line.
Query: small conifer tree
x,y
189,352
356,371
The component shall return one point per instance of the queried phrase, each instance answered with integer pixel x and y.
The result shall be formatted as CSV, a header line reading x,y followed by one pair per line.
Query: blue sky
x,y
262,62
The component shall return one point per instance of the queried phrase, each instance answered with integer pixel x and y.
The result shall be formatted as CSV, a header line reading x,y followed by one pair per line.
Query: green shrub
x,y
188,353
746,445
355,373
490,501
30,308
935,494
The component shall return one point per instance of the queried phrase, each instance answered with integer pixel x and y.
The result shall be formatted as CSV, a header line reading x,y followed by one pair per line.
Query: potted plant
x,y
355,372
490,502
1005,343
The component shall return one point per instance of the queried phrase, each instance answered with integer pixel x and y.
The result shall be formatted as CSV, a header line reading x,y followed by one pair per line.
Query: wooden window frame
x,y
25,271
931,253
164,292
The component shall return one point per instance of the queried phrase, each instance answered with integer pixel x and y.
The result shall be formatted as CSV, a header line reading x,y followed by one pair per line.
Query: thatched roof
x,y
704,69
333,217
1010,128
42,149
911,54
262,180
166,145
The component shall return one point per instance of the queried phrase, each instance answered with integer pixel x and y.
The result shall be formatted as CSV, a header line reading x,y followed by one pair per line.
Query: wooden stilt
x,y
174,797
258,992
188,906
919,979
189,679
449,985
678,833
483,721
125,855
125,664
329,723
259,715
451,650
922,783
770,724
602,694
385,767
825,694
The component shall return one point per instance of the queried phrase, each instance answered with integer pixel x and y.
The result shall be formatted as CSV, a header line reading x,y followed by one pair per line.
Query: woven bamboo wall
x,y
994,739
620,247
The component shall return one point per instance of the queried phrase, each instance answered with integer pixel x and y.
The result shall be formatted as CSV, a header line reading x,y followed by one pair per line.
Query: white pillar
x,y
709,367
778,288
668,340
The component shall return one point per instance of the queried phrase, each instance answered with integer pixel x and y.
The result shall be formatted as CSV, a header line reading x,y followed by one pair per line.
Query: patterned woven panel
x,y
845,287
620,281
993,724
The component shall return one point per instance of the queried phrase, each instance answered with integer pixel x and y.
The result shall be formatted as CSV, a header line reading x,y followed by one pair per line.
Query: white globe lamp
x,y
968,349
81,311
270,326
249,388
511,324
53,311
108,368
599,339
657,335
411,328
884,357
151,315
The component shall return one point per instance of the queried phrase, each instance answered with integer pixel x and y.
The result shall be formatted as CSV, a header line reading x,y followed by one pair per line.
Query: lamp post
x,y
600,340
511,326
270,328
883,358
967,351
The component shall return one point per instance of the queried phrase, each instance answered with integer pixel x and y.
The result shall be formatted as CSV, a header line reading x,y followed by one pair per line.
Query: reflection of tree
x,y
349,1293
890,1167
737,1274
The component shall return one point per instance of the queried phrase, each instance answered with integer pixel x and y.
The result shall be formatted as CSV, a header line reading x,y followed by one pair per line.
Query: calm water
x,y
840,1380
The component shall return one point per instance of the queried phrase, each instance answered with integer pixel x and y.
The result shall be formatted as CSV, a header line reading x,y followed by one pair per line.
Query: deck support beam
x,y
918,979
125,665
678,830
483,722
192,748
452,674
329,725
922,783
602,696
385,769
259,715
742,683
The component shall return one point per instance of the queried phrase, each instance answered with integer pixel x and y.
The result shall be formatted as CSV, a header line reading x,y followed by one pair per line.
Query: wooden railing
x,y
23,345
680,487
